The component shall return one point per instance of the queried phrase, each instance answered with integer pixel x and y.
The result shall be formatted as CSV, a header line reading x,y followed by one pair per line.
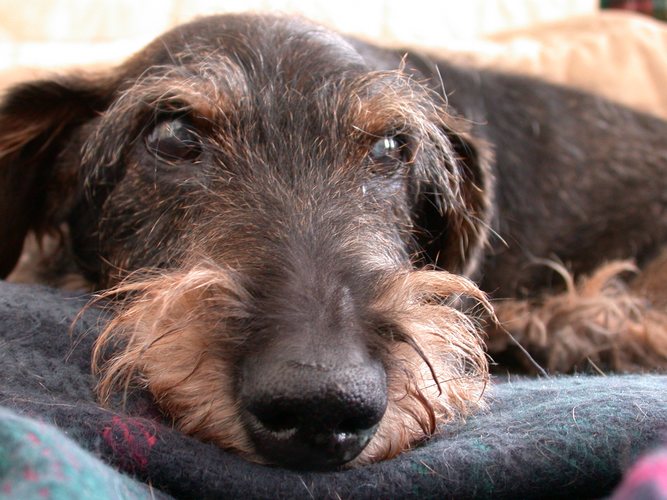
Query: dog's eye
x,y
174,140
389,150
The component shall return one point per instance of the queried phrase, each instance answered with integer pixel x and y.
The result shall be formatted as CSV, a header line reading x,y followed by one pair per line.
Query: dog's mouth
x,y
309,446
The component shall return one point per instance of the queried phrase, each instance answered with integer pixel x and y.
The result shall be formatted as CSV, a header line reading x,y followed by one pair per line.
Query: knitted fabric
x,y
558,437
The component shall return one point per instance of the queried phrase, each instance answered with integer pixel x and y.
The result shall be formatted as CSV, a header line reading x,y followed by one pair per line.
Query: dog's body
x,y
260,195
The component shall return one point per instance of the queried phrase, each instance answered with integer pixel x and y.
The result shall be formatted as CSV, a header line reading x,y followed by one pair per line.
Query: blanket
x,y
557,437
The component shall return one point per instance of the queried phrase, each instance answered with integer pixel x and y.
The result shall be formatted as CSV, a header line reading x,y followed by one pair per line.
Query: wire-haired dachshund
x,y
294,229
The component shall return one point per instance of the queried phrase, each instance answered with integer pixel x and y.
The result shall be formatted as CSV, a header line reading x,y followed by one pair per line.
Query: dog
x,y
301,233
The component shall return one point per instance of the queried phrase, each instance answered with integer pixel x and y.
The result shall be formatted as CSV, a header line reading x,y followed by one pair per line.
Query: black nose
x,y
312,416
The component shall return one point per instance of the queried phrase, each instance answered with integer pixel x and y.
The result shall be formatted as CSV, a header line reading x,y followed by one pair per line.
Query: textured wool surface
x,y
557,437
38,461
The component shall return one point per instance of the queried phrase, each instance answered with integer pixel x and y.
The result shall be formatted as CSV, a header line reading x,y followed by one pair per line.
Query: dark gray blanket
x,y
558,437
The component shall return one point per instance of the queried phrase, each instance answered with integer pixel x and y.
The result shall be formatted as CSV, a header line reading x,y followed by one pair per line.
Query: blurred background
x,y
56,32
587,43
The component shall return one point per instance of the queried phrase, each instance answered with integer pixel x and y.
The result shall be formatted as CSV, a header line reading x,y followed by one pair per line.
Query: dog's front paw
x,y
598,323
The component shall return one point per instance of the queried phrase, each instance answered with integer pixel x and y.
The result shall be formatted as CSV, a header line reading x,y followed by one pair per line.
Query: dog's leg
x,y
652,282
599,323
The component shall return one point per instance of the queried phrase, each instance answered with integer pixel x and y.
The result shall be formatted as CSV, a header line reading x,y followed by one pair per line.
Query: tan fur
x,y
652,281
43,260
167,347
599,321
422,396
174,339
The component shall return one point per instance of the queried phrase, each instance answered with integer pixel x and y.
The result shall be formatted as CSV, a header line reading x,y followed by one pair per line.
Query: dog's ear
x,y
455,202
37,122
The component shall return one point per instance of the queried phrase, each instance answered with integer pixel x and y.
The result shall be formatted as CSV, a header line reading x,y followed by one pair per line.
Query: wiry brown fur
x,y
266,204
161,342
599,323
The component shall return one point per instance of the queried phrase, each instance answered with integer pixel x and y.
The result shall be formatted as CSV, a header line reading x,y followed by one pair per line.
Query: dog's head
x,y
260,195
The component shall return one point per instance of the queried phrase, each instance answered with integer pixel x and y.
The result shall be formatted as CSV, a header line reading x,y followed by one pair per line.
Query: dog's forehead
x,y
258,43
259,69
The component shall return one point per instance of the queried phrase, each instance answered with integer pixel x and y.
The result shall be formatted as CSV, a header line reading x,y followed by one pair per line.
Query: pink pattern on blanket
x,y
131,441
646,479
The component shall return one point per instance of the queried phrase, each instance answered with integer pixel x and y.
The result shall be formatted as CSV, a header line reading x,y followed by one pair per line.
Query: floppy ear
x,y
453,221
37,123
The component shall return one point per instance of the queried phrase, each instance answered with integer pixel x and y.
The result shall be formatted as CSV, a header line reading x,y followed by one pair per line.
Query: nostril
x,y
355,424
335,415
315,421
273,417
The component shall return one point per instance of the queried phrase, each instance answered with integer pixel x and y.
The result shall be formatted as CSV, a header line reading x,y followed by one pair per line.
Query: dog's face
x,y
259,196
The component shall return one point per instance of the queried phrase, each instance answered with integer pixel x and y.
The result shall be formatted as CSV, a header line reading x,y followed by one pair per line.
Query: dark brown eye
x,y
174,140
389,150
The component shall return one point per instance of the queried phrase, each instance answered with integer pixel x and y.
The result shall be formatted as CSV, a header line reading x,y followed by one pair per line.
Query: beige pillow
x,y
623,56
620,55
